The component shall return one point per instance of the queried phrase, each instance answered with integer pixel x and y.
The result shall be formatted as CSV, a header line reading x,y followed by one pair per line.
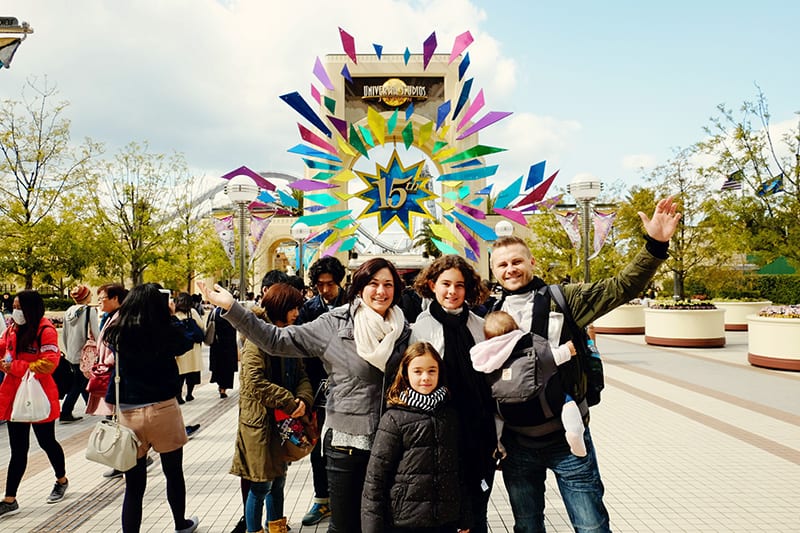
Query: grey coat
x,y
355,388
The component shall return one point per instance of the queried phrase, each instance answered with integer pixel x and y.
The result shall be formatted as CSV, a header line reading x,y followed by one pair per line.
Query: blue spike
x,y
463,66
463,97
299,104
441,113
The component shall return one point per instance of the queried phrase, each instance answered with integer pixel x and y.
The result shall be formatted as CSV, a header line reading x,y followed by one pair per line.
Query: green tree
x,y
755,220
693,244
38,167
137,195
423,239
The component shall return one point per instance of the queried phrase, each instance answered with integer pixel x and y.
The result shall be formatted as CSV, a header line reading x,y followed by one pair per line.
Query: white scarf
x,y
375,336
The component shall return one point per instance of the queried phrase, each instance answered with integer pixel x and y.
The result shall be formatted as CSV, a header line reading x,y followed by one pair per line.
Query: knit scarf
x,y
375,335
472,397
465,384
426,402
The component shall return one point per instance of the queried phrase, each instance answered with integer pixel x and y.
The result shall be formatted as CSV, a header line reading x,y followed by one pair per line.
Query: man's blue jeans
x,y
524,472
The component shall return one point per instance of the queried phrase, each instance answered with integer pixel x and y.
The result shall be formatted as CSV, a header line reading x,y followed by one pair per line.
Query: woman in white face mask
x,y
30,343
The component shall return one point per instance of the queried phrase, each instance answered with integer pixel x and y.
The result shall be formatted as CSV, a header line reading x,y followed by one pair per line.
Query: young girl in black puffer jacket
x,y
413,475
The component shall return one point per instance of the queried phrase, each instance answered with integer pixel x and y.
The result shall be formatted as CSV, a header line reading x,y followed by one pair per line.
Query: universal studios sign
x,y
394,92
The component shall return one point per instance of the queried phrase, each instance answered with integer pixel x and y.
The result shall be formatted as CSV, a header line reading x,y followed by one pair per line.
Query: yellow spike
x,y
377,124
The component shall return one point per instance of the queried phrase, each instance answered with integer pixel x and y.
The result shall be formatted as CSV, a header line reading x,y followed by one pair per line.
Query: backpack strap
x,y
578,336
576,332
540,315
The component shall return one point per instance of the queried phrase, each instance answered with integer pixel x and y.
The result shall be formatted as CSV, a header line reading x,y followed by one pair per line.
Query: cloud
x,y
638,161
529,138
203,77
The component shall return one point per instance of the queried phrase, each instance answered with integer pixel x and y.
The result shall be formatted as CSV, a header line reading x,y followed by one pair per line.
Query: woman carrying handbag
x,y
30,348
146,338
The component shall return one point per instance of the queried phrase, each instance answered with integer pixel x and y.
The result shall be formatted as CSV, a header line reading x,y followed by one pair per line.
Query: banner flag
x,y
224,227
602,227
569,221
257,227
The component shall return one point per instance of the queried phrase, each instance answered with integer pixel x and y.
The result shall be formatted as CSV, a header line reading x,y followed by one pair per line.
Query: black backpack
x,y
581,377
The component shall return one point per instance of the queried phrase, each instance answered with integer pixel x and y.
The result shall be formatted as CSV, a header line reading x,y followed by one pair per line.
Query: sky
x,y
605,88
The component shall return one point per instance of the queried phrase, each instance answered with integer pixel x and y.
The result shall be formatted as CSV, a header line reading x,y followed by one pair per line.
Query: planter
x,y
685,328
736,313
624,320
774,342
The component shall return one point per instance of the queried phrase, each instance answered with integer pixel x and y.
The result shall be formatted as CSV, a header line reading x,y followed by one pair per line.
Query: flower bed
x,y
684,324
736,312
626,319
774,338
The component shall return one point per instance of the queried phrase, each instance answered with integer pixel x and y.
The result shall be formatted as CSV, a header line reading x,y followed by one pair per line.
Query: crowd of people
x,y
409,431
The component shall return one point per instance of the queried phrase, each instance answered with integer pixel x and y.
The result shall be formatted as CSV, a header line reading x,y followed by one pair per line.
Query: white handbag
x,y
111,443
31,404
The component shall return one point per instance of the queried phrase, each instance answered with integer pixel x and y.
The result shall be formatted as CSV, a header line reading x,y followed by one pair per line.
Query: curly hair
x,y
326,265
475,291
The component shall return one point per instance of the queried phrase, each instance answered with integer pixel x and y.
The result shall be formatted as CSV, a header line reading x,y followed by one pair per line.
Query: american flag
x,y
734,181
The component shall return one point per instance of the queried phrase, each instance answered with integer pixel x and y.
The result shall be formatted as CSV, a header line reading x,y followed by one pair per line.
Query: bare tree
x,y
38,165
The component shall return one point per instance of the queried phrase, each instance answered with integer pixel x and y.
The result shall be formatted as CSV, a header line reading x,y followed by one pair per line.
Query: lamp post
x,y
241,190
585,188
300,232
504,228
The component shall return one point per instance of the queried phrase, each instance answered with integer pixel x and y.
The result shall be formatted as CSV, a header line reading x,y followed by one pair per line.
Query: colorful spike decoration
x,y
397,192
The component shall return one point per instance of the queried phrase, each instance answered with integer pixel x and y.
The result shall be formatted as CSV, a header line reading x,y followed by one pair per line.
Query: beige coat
x,y
191,361
257,439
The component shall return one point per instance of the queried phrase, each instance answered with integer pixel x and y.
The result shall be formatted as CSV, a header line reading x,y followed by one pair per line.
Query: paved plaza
x,y
688,440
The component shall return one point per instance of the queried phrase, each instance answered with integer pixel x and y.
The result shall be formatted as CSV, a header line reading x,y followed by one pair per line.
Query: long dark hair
x,y
364,274
183,303
143,322
401,383
32,307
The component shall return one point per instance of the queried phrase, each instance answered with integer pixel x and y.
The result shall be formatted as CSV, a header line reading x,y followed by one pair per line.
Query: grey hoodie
x,y
74,334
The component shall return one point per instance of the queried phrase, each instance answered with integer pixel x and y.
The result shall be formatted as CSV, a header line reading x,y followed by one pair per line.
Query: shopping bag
x,y
31,404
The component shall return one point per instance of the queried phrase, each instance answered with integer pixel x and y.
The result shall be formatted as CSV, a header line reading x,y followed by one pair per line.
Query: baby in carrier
x,y
505,341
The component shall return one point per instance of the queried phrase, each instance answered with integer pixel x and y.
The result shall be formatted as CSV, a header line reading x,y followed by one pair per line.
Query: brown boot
x,y
277,526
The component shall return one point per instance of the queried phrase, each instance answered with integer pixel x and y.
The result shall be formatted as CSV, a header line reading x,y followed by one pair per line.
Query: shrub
x,y
681,305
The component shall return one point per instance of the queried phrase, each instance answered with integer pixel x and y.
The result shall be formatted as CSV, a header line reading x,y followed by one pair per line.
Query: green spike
x,y
408,135
475,151
355,142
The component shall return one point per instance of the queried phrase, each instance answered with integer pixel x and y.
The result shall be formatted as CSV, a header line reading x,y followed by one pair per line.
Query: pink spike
x,y
488,119
316,140
332,249
315,94
322,75
473,108
349,45
513,216
428,48
461,43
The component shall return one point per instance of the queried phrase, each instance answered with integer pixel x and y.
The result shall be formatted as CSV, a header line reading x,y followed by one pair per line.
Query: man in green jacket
x,y
531,451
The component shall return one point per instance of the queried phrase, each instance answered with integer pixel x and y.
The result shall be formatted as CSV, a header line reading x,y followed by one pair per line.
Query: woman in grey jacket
x,y
359,344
